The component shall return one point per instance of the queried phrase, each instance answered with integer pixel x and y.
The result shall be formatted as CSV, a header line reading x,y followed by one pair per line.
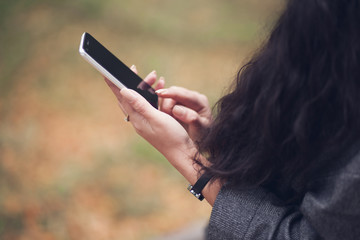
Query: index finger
x,y
188,98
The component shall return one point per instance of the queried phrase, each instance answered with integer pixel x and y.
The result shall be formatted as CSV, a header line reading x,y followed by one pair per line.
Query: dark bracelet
x,y
199,186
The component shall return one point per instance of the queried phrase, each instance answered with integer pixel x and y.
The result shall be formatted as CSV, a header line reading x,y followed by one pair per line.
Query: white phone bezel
x,y
95,64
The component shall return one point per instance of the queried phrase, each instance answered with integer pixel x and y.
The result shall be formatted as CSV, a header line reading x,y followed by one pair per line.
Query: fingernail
x,y
161,78
161,91
133,67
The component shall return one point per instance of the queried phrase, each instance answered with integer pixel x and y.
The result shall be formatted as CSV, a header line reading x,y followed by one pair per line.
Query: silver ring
x,y
127,118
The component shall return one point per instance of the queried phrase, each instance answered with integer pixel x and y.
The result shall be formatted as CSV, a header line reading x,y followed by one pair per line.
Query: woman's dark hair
x,y
296,100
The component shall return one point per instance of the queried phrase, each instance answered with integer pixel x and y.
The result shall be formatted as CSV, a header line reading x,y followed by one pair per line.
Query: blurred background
x,y
70,166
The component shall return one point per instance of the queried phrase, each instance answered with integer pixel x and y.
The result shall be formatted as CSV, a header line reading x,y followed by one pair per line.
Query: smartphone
x,y
113,69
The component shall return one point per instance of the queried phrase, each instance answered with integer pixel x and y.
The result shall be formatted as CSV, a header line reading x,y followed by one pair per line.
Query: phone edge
x,y
97,66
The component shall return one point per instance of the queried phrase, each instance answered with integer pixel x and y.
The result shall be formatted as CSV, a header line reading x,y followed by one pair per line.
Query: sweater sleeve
x,y
330,211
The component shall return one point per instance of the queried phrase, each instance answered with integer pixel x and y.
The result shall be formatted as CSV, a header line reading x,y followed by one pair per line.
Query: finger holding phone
x,y
113,69
190,108
150,79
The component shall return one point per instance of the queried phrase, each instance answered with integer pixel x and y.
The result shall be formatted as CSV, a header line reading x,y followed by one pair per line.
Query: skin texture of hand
x,y
190,108
164,132
161,130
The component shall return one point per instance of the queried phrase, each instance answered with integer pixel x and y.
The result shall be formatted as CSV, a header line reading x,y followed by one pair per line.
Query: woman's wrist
x,y
182,159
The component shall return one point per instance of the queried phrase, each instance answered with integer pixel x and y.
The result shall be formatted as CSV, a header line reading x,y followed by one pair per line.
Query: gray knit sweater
x,y
331,210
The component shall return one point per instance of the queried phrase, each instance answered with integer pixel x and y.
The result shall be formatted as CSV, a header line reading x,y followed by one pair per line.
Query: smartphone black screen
x,y
118,69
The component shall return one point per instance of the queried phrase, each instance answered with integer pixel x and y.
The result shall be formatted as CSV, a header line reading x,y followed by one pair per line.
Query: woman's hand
x,y
161,130
165,133
190,108
158,128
